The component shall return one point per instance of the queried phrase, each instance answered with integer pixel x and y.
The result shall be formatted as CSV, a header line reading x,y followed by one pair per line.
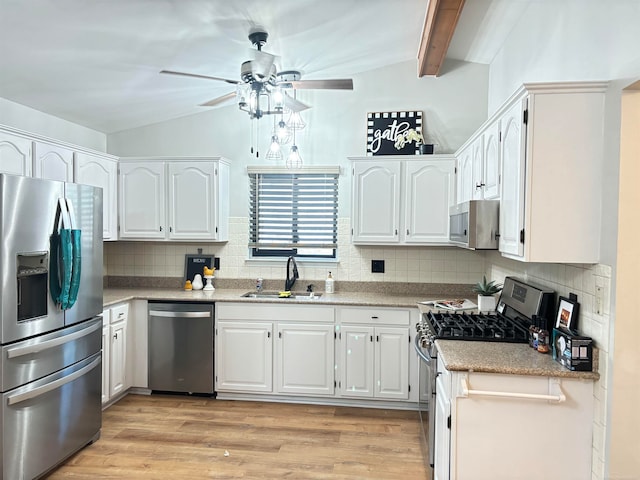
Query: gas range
x,y
519,302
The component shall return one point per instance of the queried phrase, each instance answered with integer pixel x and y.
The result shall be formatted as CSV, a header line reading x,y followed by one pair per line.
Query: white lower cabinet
x,y
374,352
304,359
244,360
114,351
512,426
274,349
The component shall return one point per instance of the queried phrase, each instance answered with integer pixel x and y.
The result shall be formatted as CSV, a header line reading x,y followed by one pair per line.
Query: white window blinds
x,y
295,211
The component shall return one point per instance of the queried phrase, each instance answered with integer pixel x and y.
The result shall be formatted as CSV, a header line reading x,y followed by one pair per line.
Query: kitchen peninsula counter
x,y
508,358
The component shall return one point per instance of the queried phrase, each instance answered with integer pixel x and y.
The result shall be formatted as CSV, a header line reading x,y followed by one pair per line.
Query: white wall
x,y
454,106
34,121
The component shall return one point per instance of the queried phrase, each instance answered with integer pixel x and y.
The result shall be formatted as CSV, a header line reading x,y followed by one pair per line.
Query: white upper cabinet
x,y
490,185
376,201
192,203
400,200
15,154
174,199
52,162
429,190
142,200
512,199
552,162
101,171
478,175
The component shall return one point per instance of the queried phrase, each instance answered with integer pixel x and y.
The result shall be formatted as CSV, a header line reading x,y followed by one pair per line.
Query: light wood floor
x,y
176,437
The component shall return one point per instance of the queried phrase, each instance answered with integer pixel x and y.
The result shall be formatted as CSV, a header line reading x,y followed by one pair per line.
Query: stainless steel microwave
x,y
474,224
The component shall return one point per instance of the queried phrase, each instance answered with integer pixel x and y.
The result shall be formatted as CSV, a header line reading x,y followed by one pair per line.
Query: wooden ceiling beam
x,y
439,25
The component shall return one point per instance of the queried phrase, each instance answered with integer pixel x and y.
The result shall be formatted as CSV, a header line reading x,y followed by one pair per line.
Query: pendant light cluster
x,y
284,133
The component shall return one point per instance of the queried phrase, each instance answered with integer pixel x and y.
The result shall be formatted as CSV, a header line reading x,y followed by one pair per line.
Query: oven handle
x,y
62,339
36,392
559,398
418,347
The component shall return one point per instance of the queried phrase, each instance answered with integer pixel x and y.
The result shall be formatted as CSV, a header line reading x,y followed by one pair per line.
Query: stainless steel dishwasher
x,y
181,347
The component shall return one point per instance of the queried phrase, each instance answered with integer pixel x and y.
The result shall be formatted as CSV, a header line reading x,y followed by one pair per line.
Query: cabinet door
x,y
429,191
192,201
465,175
392,363
304,361
52,162
491,158
443,433
357,361
106,346
15,154
118,331
142,200
376,202
244,356
101,172
477,187
513,169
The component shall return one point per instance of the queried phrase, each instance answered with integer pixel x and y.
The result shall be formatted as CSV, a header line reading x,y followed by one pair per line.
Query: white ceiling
x,y
96,62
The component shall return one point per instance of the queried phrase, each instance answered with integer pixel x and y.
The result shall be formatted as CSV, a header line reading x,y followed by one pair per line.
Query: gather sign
x,y
384,127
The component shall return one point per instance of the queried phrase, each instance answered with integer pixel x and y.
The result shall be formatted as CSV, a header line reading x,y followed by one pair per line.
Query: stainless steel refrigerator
x,y
50,332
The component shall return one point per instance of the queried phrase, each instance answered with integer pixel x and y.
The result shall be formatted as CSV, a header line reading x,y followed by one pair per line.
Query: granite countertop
x,y
489,357
116,295
510,358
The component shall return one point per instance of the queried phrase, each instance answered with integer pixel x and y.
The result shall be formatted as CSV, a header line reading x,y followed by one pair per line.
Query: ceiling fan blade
x,y
334,84
294,105
219,100
195,75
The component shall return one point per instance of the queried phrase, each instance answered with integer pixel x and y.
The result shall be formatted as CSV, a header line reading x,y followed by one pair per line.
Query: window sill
x,y
269,262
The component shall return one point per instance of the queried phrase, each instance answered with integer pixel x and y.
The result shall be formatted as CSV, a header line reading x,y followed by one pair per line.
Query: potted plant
x,y
486,294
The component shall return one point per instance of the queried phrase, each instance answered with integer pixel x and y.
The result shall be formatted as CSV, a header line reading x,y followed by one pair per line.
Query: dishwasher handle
x,y
162,313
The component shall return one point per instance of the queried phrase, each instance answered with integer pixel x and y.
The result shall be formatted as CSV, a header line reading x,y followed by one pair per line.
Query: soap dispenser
x,y
329,284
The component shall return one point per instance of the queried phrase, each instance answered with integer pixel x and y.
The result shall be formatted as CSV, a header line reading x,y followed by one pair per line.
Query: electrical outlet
x,y
216,263
377,266
601,300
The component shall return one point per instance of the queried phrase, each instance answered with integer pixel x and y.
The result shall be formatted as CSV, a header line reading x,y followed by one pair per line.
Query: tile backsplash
x,y
402,264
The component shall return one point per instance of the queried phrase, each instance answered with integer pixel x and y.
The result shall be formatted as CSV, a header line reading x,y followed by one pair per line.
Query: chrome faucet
x,y
292,275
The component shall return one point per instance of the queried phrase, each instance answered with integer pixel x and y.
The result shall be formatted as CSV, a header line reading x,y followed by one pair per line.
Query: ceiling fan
x,y
261,82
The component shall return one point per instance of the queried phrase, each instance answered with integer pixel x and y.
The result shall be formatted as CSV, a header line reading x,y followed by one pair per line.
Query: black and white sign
x,y
384,127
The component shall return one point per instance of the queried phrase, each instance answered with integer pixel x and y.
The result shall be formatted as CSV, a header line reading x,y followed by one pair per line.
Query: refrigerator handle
x,y
36,392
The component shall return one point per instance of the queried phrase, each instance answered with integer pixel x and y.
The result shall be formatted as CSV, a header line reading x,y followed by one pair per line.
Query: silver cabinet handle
x,y
55,342
36,392
160,313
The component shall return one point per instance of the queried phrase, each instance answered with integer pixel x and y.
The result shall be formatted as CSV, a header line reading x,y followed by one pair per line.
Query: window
x,y
293,213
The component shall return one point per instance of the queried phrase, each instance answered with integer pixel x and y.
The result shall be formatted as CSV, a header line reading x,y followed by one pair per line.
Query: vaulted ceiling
x,y
97,63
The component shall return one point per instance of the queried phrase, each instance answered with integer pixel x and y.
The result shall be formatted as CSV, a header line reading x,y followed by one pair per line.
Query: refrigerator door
x,y
86,203
27,218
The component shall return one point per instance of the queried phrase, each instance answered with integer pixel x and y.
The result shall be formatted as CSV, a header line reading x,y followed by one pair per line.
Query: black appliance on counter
x,y
518,303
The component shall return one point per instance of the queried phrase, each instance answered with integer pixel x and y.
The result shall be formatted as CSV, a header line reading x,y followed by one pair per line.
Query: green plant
x,y
487,289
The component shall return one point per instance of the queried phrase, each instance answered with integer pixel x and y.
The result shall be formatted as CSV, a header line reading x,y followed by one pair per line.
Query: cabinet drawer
x,y
374,316
274,312
119,312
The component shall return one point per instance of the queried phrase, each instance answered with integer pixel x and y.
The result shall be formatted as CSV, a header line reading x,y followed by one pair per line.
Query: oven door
x,y
427,399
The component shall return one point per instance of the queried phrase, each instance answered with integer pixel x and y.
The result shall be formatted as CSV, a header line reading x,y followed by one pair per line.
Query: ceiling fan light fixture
x,y
275,152
294,160
283,133
295,121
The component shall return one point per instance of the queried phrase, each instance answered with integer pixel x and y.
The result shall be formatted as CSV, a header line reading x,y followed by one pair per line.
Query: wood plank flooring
x,y
175,437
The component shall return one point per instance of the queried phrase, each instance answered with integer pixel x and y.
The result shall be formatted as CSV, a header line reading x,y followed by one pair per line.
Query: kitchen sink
x,y
294,296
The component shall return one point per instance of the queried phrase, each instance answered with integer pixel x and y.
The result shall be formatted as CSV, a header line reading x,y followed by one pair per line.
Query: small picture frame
x,y
194,264
568,310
